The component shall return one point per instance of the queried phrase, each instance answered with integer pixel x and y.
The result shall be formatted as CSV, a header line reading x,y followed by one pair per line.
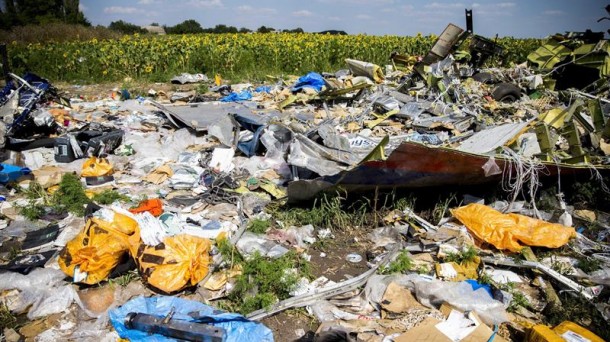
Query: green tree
x,y
244,30
222,29
125,27
26,12
265,29
187,26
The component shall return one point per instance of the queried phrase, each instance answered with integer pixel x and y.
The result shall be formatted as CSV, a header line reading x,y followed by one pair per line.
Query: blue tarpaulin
x,y
263,89
237,327
12,172
236,97
311,80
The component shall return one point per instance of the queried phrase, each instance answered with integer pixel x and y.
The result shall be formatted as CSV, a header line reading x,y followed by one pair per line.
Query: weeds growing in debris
x,y
467,255
33,211
265,281
441,207
259,226
485,278
589,265
326,211
109,196
519,300
7,319
401,264
203,88
71,195
560,267
125,279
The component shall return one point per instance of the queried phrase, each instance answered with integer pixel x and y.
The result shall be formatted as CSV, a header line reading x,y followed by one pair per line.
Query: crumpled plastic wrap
x,y
463,297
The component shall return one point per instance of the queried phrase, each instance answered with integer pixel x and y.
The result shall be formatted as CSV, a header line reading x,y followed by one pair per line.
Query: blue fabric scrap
x,y
237,327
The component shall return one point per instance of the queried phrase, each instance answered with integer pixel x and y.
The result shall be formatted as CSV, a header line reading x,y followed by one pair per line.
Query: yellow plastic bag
x,y
96,167
178,262
92,255
511,231
570,330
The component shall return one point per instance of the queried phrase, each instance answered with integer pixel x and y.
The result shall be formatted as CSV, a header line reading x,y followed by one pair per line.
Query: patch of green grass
x,y
7,319
484,278
560,267
229,253
589,265
519,300
442,206
70,196
327,212
259,226
271,279
401,264
33,211
203,88
258,301
467,255
14,252
125,279
109,196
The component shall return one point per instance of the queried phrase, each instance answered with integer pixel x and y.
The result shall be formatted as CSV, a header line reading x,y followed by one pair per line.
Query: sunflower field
x,y
249,56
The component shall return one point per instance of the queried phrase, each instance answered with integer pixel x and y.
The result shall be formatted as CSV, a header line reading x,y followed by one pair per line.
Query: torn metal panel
x,y
370,70
414,165
587,292
452,121
199,116
489,139
302,155
412,110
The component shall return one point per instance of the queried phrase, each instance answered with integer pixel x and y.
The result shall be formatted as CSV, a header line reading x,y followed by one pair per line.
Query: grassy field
x,y
237,56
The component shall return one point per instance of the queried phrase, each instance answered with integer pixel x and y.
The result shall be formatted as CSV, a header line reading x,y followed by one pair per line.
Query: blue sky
x,y
517,18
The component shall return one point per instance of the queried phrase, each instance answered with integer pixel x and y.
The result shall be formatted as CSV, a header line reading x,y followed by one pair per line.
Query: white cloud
x,y
439,5
258,11
506,5
302,13
205,3
150,2
364,17
358,2
553,12
120,10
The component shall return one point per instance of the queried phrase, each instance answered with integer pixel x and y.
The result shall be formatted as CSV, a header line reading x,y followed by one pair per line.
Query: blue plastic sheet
x,y
245,95
476,285
311,80
237,327
10,172
249,147
263,89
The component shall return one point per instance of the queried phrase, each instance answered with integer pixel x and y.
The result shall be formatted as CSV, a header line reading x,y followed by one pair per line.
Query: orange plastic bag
x,y
92,255
96,167
511,231
178,262
153,206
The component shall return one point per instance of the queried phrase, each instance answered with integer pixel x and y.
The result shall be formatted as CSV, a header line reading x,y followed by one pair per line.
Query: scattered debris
x,y
186,194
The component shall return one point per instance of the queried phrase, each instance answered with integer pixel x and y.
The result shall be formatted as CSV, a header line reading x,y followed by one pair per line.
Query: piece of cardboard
x,y
424,332
427,331
398,299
